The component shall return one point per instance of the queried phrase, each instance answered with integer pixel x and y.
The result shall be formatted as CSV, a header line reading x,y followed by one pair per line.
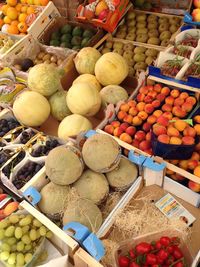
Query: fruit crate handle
x,y
149,163
136,158
32,193
86,239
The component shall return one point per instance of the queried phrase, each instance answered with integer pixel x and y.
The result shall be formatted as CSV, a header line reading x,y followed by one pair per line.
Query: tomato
x,y
158,245
132,254
151,259
162,254
165,241
170,260
177,253
170,249
159,261
143,248
179,264
156,265
123,261
175,240
134,264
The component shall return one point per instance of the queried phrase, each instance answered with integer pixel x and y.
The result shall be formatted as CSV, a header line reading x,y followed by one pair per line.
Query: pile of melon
x,y
97,86
91,178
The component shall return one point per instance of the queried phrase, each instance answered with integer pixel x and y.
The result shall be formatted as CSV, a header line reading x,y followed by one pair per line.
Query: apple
x,y
196,3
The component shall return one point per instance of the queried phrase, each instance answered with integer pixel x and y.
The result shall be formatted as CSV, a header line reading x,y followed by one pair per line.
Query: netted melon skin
x,y
64,165
85,212
101,153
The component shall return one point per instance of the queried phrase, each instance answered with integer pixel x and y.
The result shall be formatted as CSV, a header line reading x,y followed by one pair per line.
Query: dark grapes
x,y
2,144
45,149
26,136
6,125
26,173
9,168
4,156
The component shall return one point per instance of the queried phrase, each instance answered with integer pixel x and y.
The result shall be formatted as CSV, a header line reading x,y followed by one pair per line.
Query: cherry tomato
x,y
175,240
132,254
170,249
143,248
177,253
179,264
170,260
156,265
158,245
165,241
162,254
134,264
151,259
159,261
123,261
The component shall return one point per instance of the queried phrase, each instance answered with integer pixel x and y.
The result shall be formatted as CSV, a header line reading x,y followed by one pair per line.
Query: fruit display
x,y
166,251
148,28
182,51
171,67
190,40
8,169
6,42
44,149
192,71
21,236
8,205
138,58
7,125
72,36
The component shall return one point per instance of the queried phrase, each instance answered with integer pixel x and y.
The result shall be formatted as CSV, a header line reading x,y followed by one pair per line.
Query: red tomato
x,y
123,261
162,254
179,264
165,241
151,259
134,264
160,261
158,245
177,253
143,248
132,254
170,260
170,249
175,240
156,265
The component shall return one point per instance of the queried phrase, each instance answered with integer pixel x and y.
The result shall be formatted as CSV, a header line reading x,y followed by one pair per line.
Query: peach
x,y
159,129
149,108
148,99
157,87
195,156
177,177
136,121
188,140
192,164
146,127
115,124
132,103
197,171
183,164
121,114
180,125
161,97
152,119
158,113
167,107
145,145
156,103
135,143
197,128
131,130
140,135
164,138
194,186
140,97
109,129
143,90
124,107
184,95
152,94
192,100
178,101
118,131
124,126
10,208
179,112
163,121
165,91
169,100
150,87
128,118
175,93
171,131
126,138
140,106
148,136
175,141
133,111
187,107
197,118
167,115
189,131
143,115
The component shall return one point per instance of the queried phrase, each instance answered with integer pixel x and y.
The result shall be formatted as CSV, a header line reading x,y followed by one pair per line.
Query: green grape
x,y
25,229
14,248
14,218
38,233
20,259
21,216
28,247
2,234
4,224
37,223
25,221
18,232
43,231
49,234
28,257
11,241
4,255
30,216
10,231
26,239
12,258
33,234
20,246
5,247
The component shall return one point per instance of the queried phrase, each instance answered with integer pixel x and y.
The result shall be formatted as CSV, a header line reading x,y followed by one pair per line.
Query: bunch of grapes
x,y
45,149
26,136
7,125
9,167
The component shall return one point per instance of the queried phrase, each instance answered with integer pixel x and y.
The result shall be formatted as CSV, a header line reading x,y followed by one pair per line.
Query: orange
x,y
4,9
12,13
37,2
1,23
13,29
15,22
7,20
30,2
22,17
23,1
22,27
30,10
44,2
11,2
18,7
24,9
